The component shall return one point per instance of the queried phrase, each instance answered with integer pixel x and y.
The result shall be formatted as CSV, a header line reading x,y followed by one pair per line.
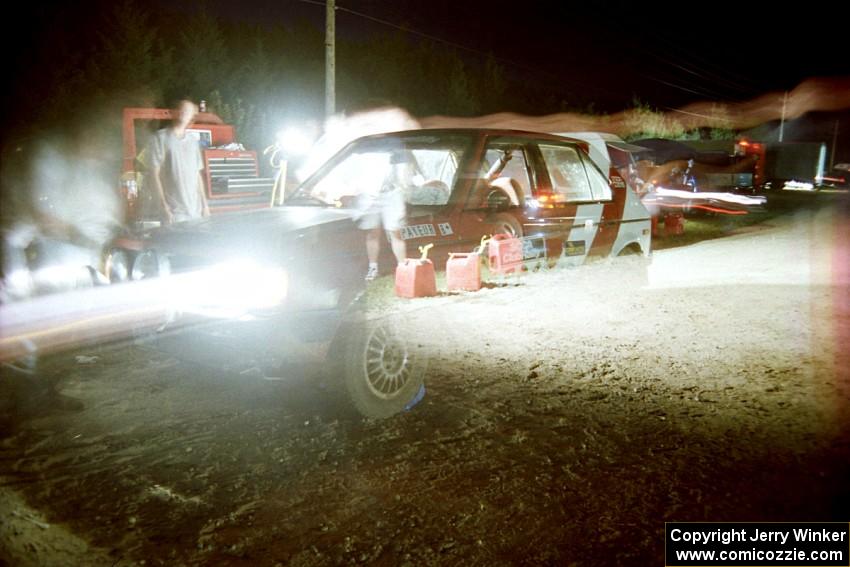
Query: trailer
x,y
795,165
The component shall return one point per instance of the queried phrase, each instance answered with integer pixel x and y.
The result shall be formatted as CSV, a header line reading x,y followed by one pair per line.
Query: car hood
x,y
255,232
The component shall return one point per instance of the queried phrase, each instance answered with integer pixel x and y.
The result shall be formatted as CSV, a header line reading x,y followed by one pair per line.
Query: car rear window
x,y
566,173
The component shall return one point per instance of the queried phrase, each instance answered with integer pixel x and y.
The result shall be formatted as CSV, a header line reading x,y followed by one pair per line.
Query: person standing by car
x,y
175,169
385,208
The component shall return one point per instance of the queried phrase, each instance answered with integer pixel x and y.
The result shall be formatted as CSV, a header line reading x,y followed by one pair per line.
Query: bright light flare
x,y
340,130
713,196
54,322
117,266
294,141
230,289
816,94
798,186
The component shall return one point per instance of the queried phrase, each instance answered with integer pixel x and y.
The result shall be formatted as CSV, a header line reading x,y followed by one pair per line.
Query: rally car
x,y
462,184
294,274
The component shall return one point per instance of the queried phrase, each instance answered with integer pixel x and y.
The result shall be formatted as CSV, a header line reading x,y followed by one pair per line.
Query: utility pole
x,y
782,122
330,33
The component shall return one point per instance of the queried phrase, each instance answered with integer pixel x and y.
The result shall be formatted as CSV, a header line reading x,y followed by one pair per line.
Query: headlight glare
x,y
117,266
149,264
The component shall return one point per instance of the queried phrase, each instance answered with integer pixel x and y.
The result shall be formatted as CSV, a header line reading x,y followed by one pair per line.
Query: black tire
x,y
505,223
383,367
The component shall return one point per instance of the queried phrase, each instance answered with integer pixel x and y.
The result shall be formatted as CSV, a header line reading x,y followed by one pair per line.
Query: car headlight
x,y
149,264
117,266
231,289
247,284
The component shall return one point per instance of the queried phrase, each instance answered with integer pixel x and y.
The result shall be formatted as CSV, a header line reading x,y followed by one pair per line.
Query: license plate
x,y
418,231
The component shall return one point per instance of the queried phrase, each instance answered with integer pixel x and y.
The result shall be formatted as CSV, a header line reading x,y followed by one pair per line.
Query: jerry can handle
x,y
485,240
424,251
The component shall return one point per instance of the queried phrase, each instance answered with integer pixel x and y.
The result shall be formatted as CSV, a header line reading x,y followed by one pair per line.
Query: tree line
x,y
83,66
82,69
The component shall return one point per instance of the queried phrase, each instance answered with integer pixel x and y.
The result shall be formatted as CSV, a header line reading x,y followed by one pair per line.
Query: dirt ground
x,y
568,415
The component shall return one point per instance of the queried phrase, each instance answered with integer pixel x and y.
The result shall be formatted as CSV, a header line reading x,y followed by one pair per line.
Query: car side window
x,y
515,169
436,165
566,173
504,169
432,178
599,186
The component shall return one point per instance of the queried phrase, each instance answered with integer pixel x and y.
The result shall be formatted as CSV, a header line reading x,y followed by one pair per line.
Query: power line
x,y
700,73
437,39
684,85
679,87
680,61
404,28
695,71
756,88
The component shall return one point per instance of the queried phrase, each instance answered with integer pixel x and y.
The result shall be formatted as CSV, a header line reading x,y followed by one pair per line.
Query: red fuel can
x,y
505,254
655,230
415,278
463,271
674,224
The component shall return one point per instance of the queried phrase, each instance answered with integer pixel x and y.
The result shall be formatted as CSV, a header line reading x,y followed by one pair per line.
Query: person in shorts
x,y
385,209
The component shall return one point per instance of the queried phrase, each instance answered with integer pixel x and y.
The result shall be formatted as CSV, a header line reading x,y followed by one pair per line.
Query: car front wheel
x,y
384,368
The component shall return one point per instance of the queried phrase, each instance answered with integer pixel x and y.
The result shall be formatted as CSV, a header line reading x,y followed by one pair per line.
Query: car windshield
x,y
425,167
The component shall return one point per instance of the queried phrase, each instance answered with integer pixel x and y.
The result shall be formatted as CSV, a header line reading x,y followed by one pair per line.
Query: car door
x,y
612,201
625,220
496,188
432,199
566,205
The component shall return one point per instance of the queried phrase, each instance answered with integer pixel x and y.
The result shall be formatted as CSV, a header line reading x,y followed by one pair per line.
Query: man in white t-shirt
x,y
175,169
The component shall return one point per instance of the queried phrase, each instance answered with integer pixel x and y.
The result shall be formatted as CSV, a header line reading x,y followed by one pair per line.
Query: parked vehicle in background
x,y
838,176
668,189
696,165
799,164
773,165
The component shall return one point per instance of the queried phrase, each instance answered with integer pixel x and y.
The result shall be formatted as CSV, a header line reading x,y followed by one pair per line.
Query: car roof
x,y
479,132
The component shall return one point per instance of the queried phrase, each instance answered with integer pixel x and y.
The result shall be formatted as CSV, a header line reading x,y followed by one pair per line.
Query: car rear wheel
x,y
632,267
383,367
504,223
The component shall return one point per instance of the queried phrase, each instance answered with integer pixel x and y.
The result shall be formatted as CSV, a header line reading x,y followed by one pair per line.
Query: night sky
x,y
608,53
599,55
